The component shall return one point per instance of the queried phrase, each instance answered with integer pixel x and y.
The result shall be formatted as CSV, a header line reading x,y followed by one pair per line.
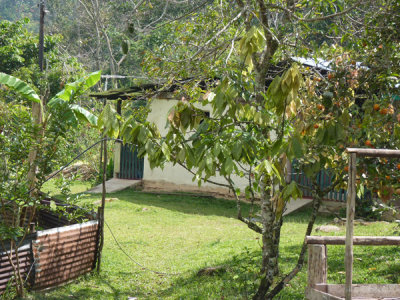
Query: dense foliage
x,y
19,57
30,138
246,60
264,116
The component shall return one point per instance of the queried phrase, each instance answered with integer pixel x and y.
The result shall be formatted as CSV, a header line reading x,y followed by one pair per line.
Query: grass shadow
x,y
187,204
238,280
89,291
372,264
203,205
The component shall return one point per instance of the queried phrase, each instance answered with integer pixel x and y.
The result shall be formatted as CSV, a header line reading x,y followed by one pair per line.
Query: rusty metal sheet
x,y
55,281
64,253
62,232
6,269
58,254
84,261
73,236
61,255
69,261
59,272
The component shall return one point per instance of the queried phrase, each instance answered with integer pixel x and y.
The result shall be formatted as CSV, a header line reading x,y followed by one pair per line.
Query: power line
x,y
115,239
75,158
140,265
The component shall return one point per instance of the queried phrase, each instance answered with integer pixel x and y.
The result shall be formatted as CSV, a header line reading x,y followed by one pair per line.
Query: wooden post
x,y
103,203
317,265
351,200
100,236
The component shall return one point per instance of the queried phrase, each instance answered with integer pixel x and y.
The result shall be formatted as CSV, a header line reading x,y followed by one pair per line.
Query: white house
x,y
171,177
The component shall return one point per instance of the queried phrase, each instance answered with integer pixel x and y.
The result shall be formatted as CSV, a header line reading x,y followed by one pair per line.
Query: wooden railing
x,y
318,288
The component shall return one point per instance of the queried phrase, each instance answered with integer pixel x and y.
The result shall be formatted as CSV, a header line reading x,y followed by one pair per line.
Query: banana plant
x,y
64,100
60,114
53,121
70,93
19,86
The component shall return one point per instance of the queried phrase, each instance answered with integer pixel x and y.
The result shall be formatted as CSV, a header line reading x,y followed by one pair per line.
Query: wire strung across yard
x,y
115,239
30,270
75,158
140,265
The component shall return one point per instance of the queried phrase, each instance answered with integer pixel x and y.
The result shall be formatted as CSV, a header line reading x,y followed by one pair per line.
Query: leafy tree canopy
x,y
19,57
265,114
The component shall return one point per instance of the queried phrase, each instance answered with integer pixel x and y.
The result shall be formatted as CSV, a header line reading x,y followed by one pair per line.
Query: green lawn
x,y
76,186
182,234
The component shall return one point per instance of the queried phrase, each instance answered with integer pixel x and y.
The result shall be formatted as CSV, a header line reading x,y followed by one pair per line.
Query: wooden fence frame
x,y
317,288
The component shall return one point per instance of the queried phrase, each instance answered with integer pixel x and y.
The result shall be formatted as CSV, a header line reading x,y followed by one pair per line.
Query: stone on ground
x,y
327,228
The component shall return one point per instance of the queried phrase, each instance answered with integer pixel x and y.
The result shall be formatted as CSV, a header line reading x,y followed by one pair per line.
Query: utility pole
x,y
42,9
37,108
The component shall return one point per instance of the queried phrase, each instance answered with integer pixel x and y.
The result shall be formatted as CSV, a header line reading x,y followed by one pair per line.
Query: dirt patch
x,y
331,207
163,187
81,171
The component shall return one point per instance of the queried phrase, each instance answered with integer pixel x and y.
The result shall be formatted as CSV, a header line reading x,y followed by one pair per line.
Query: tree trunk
x,y
270,239
317,199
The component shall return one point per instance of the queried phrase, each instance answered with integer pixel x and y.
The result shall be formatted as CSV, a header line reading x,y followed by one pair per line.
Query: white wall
x,y
175,174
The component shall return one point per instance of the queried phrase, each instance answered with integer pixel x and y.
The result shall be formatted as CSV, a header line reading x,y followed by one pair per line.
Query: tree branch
x,y
292,15
221,31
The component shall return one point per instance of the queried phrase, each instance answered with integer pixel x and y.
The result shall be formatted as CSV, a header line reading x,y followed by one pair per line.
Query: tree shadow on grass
x,y
187,204
200,205
372,264
91,291
239,279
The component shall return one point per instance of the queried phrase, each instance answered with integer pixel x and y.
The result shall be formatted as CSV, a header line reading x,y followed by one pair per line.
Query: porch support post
x,y
117,159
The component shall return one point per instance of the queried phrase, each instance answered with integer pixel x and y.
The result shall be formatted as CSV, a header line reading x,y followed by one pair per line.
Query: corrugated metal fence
x,y
64,253
53,256
6,269
324,179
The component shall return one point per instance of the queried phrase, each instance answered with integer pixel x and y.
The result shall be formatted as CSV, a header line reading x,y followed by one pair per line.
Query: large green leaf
x,y
108,121
165,149
253,41
55,102
297,146
19,86
78,87
84,115
228,166
237,150
292,191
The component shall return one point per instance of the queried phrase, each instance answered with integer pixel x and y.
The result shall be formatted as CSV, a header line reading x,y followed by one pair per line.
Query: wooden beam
x,y
357,240
361,152
351,200
317,265
364,291
313,294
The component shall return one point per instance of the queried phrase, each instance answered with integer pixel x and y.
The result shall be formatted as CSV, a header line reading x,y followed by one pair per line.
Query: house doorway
x,y
131,166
